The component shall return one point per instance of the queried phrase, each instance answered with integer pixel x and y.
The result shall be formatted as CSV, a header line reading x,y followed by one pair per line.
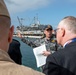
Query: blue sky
x,y
48,11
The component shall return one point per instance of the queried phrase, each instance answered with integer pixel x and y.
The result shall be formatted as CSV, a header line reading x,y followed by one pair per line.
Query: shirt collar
x,y
72,40
67,43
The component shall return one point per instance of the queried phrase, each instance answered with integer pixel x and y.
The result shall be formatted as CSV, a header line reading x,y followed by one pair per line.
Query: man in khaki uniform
x,y
7,65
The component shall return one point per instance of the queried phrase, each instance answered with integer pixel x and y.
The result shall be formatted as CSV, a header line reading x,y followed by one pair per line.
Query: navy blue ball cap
x,y
48,27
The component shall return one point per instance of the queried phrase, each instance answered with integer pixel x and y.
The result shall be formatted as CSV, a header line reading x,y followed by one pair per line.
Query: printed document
x,y
40,59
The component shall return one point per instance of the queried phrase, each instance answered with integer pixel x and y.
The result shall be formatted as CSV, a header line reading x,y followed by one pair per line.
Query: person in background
x,y
7,65
63,62
48,40
14,51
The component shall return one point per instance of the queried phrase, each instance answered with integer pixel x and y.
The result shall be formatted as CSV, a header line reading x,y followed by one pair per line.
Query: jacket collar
x,y
71,44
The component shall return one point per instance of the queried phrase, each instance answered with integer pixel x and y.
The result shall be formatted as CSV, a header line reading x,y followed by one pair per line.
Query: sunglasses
x,y
48,29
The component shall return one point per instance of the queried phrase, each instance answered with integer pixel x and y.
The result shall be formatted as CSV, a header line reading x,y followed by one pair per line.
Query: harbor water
x,y
28,58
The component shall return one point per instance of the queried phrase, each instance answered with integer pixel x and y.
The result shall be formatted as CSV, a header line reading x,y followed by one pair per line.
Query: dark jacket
x,y
8,67
14,51
62,62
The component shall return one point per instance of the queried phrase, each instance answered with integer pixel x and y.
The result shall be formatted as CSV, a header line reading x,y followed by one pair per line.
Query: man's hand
x,y
46,53
19,35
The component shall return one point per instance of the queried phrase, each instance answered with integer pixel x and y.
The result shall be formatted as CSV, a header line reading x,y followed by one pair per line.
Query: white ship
x,y
35,30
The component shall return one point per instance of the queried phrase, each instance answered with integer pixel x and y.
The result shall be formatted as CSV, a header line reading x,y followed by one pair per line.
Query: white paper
x,y
40,59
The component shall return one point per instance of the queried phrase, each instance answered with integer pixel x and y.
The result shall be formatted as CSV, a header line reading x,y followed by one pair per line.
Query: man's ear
x,y
11,34
63,32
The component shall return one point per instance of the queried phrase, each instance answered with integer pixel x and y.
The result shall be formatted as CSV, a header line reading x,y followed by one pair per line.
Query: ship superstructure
x,y
35,30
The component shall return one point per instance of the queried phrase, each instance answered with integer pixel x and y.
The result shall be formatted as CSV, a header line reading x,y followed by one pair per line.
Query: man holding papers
x,y
48,40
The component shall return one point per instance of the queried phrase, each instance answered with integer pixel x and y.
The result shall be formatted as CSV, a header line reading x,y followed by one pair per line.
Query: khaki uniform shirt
x,y
8,67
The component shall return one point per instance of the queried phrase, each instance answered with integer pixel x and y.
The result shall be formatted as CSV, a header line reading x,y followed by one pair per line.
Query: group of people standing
x,y
49,40
58,62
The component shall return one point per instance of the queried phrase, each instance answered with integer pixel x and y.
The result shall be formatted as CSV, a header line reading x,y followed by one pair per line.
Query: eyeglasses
x,y
56,30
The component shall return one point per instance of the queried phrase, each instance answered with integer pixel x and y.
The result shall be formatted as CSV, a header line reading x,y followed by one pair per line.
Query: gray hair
x,y
70,22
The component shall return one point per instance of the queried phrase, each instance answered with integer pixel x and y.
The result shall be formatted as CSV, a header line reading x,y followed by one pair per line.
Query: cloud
x,y
15,6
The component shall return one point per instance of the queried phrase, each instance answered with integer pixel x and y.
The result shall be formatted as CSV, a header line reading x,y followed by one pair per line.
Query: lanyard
x,y
73,40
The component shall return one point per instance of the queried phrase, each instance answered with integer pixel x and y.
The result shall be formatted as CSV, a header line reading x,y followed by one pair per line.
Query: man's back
x,y
8,67
62,62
